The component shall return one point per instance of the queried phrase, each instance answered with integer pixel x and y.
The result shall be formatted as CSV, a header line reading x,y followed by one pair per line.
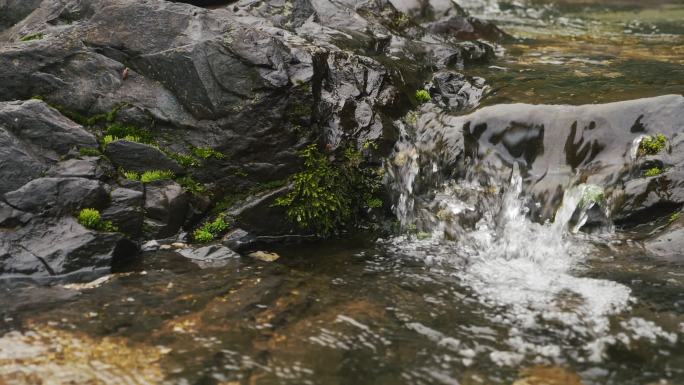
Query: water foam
x,y
526,273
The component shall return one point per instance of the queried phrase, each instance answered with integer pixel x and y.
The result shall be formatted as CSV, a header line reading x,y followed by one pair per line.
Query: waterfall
x,y
529,273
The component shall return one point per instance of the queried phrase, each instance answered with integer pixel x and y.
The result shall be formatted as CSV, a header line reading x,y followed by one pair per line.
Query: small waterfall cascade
x,y
531,272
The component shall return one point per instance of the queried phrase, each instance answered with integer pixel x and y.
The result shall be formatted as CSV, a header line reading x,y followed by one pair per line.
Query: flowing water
x,y
472,291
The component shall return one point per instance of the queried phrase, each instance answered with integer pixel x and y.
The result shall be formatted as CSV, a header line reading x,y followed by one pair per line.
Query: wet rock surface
x,y
560,145
252,83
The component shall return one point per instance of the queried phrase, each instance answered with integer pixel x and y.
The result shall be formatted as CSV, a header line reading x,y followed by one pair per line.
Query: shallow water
x,y
513,302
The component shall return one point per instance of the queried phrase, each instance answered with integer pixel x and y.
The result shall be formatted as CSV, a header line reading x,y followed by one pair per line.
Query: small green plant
x,y
206,153
327,196
33,36
652,145
370,145
131,175
654,171
130,133
89,151
154,175
318,201
423,96
192,185
203,236
675,216
210,230
107,139
91,218
185,160
374,203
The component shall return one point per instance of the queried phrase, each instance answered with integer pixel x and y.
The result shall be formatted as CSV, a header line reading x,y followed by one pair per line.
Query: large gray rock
x,y
209,256
92,167
554,144
139,157
13,11
43,128
166,205
49,247
11,217
126,211
58,196
669,243
32,137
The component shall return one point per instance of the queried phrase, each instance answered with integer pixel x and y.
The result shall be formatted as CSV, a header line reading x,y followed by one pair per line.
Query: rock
x,y
554,144
18,165
179,245
92,167
646,199
49,247
32,137
152,245
209,256
668,244
238,240
264,256
454,92
165,207
41,127
14,11
11,217
256,213
126,211
139,157
58,195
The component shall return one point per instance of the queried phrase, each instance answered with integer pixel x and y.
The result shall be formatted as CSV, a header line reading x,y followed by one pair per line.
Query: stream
x,y
487,283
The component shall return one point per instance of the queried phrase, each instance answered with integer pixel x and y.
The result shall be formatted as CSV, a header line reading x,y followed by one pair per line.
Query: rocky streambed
x,y
508,174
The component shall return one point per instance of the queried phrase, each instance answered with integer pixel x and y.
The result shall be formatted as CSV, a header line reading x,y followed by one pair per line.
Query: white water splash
x,y
525,272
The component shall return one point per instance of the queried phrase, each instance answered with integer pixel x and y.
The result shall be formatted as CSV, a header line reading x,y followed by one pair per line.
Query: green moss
x,y
33,36
154,175
89,151
370,145
210,230
192,185
87,121
374,203
241,173
185,160
131,175
203,236
423,96
120,131
206,153
675,216
654,171
327,196
652,145
91,218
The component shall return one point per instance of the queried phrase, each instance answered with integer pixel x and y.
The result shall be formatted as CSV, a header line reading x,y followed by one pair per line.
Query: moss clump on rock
x,y
33,36
423,96
206,153
210,230
192,185
155,175
654,171
91,218
89,151
131,133
327,196
652,145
